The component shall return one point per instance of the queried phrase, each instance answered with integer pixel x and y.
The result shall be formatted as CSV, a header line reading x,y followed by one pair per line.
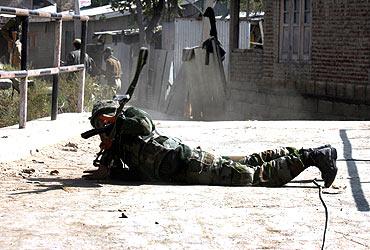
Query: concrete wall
x,y
41,44
332,85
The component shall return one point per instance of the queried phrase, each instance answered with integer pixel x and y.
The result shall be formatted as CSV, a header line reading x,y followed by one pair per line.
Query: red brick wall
x,y
273,69
269,38
247,65
340,44
341,41
333,85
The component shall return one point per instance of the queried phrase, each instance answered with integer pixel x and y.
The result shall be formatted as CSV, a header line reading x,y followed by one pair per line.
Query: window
x,y
295,30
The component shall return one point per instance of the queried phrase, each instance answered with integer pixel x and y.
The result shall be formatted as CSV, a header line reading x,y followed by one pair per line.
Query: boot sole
x,y
333,168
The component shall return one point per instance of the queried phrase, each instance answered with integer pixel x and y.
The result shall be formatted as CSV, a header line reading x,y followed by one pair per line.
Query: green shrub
x,y
9,108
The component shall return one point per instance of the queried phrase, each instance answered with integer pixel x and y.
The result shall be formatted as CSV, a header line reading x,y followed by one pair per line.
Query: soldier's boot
x,y
324,158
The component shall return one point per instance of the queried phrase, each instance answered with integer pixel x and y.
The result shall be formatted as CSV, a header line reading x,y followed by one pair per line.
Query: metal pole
x,y
23,85
57,52
81,93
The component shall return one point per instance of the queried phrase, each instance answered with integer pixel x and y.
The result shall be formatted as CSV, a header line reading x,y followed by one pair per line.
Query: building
x,y
26,4
314,64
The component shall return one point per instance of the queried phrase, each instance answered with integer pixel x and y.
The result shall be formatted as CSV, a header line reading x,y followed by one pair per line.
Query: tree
x,y
63,5
251,5
148,13
96,3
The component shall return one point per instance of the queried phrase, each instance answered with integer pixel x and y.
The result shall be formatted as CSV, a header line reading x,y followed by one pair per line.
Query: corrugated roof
x,y
243,14
123,32
102,11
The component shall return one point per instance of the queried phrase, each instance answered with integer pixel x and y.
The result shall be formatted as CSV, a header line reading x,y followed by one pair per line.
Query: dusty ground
x,y
46,205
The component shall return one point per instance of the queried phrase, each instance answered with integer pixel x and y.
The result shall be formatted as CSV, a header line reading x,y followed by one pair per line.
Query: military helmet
x,y
107,107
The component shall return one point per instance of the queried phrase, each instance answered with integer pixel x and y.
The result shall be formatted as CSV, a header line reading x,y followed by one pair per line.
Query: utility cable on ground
x,y
326,213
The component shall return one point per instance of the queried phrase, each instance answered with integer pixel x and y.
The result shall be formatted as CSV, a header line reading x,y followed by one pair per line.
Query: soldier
x,y
73,57
152,157
113,70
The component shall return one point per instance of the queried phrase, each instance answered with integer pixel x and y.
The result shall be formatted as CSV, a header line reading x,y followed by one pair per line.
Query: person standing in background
x,y
112,70
73,57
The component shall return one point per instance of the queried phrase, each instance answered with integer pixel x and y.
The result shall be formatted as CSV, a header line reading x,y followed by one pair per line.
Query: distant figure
x,y
10,32
73,57
112,70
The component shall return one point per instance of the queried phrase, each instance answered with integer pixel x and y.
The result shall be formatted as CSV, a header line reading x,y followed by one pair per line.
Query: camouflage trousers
x,y
270,168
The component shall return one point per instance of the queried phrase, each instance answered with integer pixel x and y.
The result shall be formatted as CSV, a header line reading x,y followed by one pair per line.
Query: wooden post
x,y
57,52
76,23
23,85
81,93
80,102
234,25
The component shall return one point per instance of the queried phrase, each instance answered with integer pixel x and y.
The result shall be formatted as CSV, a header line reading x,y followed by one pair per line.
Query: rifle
x,y
105,157
123,99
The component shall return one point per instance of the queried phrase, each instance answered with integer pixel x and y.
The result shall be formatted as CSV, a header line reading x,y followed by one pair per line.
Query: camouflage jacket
x,y
147,156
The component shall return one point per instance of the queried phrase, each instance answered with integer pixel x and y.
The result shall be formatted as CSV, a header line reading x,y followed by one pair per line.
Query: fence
x,y
24,73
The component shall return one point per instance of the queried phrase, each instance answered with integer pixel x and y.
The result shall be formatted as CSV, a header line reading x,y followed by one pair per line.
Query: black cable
x,y
326,213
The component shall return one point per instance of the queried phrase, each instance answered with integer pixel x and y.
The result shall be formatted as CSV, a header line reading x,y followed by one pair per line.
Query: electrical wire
x,y
326,213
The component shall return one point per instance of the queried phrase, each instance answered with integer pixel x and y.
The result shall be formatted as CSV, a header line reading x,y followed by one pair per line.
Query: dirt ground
x,y
46,205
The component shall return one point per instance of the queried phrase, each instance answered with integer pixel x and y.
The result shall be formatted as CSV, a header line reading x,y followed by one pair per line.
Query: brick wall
x,y
341,41
333,85
269,38
247,65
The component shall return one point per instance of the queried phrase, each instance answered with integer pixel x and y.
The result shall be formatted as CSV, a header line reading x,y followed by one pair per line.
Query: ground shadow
x,y
45,185
355,182
50,184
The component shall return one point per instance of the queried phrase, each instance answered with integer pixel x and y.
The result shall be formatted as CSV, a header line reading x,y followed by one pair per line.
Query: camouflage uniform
x,y
161,158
